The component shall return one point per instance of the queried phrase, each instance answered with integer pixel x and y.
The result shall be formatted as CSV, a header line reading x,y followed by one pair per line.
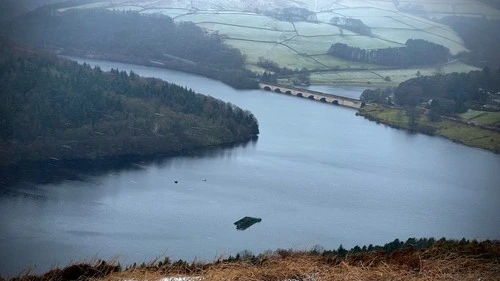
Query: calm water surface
x,y
318,174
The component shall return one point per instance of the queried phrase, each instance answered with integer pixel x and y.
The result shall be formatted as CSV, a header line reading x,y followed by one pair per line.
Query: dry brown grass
x,y
472,261
315,268
442,262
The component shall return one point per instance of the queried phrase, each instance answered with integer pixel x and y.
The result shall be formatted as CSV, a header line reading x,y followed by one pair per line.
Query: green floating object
x,y
246,222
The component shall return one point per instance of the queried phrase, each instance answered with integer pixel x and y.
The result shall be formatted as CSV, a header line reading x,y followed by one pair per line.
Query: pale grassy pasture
x,y
363,78
335,63
318,29
249,20
305,44
363,12
168,12
365,42
246,33
320,45
383,22
381,4
325,17
127,8
442,8
402,36
377,77
398,76
104,4
280,54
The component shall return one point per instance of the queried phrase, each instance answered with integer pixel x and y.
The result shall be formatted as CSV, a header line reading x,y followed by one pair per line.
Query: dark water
x,y
318,174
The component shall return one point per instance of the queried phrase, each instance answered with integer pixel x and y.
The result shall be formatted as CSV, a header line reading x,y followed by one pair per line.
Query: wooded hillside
x,y
132,37
53,108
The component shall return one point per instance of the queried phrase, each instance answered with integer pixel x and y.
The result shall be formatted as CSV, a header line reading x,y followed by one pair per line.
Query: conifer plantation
x,y
53,108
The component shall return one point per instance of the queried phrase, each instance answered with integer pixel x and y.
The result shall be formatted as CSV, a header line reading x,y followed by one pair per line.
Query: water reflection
x,y
317,175
54,172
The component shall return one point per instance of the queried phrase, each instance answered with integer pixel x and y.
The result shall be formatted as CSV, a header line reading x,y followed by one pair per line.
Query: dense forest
x,y
480,36
416,52
54,108
451,93
132,37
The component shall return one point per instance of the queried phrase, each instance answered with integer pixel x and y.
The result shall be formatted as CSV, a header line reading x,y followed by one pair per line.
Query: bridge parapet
x,y
313,95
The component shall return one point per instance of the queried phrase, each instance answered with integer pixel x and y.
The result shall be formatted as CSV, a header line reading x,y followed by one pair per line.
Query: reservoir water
x,y
317,175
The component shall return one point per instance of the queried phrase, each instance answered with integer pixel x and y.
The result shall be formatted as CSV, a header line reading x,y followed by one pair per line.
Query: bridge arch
x,y
313,95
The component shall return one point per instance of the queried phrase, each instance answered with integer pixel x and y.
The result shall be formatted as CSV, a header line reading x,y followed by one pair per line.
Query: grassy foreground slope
x,y
56,109
437,260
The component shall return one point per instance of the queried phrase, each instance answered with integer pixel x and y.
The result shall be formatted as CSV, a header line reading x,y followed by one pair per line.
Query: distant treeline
x,y
57,109
380,96
273,71
451,93
416,52
428,258
292,14
480,36
355,25
387,250
134,37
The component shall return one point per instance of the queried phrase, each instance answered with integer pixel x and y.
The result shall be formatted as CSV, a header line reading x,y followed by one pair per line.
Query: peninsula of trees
x,y
131,37
54,108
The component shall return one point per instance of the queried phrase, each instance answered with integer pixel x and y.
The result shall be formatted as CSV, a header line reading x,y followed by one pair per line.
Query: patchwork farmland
x,y
250,27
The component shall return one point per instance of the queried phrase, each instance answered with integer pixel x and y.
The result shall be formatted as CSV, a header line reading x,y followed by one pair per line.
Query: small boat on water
x,y
246,222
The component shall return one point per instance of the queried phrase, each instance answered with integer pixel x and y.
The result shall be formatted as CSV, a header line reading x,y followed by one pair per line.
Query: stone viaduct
x,y
313,95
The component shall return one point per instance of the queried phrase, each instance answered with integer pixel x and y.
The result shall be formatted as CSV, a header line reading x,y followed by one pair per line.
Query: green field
x,y
482,117
304,44
374,76
457,132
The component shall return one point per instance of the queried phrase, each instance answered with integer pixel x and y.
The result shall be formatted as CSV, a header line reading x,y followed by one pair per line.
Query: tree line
x,y
451,93
54,108
273,71
354,25
415,52
480,36
292,14
134,37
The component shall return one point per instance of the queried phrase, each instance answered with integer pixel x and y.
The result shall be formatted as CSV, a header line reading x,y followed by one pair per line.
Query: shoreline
x,y
171,63
457,132
65,167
